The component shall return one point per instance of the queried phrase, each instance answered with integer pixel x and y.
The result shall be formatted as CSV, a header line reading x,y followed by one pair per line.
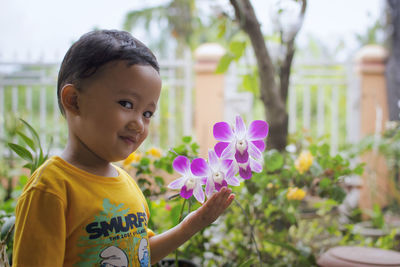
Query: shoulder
x,y
49,177
125,176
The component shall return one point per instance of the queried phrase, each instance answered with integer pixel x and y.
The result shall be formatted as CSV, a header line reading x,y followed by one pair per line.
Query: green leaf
x,y
221,29
250,83
324,150
313,149
325,183
359,170
273,161
32,131
27,140
175,213
237,48
247,263
187,139
224,63
28,166
21,151
145,161
195,147
159,181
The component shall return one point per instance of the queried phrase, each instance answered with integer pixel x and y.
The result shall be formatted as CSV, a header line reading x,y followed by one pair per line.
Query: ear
x,y
69,99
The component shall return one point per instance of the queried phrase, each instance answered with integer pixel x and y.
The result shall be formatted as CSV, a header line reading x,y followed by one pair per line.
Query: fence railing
x,y
317,102
28,91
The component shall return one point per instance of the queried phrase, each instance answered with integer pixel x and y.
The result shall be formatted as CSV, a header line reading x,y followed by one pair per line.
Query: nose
x,y
136,124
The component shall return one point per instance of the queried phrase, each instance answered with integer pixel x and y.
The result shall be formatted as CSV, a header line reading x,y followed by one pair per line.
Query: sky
x,y
46,28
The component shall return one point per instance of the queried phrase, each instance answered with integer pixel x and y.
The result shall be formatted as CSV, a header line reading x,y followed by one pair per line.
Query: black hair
x,y
96,48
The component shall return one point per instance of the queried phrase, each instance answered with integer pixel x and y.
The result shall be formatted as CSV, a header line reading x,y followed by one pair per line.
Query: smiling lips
x,y
130,139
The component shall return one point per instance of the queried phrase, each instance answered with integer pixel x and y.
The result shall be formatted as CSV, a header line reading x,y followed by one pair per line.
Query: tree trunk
x,y
275,106
393,64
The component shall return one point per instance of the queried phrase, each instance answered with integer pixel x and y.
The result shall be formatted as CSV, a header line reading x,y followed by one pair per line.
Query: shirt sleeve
x,y
150,233
40,230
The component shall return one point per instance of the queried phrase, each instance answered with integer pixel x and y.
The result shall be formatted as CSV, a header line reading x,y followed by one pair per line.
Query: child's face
x,y
115,109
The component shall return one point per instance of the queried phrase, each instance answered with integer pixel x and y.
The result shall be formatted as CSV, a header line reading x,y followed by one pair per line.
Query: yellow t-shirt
x,y
69,217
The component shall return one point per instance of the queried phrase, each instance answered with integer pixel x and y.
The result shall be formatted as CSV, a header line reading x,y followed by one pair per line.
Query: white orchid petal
x,y
210,187
213,159
255,166
229,152
198,193
233,181
178,183
240,128
254,152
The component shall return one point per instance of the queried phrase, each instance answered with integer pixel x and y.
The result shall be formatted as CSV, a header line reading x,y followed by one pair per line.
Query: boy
x,y
78,209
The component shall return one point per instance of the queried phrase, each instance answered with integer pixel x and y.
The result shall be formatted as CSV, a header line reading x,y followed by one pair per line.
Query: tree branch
x,y
285,68
248,22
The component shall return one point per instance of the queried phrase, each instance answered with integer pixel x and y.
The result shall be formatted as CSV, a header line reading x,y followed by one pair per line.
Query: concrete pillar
x,y
209,94
370,66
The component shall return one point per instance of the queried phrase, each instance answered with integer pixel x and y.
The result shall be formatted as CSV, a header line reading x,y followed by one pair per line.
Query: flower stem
x,y
180,219
251,231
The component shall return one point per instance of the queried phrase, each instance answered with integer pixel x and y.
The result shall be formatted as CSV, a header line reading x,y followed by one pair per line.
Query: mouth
x,y
129,139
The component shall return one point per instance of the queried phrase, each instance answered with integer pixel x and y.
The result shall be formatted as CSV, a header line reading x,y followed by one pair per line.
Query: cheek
x,y
145,132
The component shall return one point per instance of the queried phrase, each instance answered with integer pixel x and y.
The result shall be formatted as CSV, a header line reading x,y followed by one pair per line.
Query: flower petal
x,y
255,166
242,157
258,130
233,181
226,164
219,186
245,173
213,159
181,164
198,193
209,187
240,128
260,144
232,170
254,152
229,152
220,147
222,131
186,193
199,167
178,183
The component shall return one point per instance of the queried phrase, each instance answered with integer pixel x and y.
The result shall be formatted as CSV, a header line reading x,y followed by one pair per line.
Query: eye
x,y
148,114
126,104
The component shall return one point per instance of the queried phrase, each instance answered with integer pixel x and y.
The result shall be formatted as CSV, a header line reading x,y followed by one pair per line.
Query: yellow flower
x,y
270,185
133,157
295,193
304,161
154,152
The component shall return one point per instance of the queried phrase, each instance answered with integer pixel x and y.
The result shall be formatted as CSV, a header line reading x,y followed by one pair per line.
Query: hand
x,y
211,209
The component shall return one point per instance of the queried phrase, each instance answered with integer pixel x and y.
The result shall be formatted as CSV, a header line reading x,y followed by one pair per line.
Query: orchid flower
x,y
218,172
188,183
245,146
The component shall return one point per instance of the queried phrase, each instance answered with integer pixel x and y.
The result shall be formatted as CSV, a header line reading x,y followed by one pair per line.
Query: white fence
x,y
28,91
322,101
318,101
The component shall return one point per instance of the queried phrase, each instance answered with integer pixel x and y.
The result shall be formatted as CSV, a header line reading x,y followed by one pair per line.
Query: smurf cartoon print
x,y
143,253
113,257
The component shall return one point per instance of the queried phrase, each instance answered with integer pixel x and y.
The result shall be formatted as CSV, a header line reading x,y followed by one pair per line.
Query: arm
x,y
163,244
39,230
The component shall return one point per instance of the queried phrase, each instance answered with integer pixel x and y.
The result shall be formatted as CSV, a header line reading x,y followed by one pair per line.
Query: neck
x,y
79,155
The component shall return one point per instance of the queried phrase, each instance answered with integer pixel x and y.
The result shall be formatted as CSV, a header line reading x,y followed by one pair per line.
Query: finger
x,y
220,197
229,200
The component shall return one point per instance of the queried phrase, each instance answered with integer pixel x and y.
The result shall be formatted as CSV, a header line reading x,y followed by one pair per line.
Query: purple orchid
x,y
242,145
188,183
218,172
